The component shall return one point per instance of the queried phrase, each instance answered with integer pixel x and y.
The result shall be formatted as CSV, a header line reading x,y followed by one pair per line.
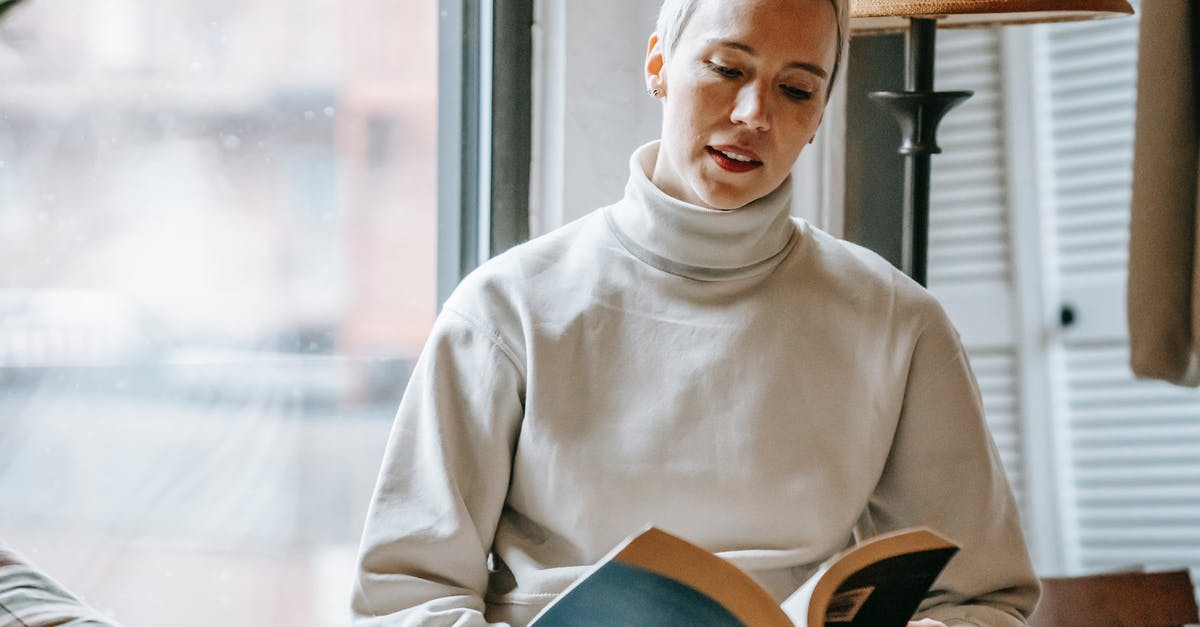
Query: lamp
x,y
919,109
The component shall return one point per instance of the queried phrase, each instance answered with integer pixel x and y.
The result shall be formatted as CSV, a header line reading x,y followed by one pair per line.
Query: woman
x,y
691,357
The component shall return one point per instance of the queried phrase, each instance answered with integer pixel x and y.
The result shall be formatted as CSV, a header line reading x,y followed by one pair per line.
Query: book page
x,y
878,583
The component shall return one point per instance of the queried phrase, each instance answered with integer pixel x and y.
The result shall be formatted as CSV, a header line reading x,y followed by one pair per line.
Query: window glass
x,y
217,265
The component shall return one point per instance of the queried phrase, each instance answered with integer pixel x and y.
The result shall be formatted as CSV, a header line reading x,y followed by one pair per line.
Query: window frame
x,y
485,68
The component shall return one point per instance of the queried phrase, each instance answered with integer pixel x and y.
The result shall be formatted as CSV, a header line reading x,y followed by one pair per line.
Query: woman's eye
x,y
796,93
727,72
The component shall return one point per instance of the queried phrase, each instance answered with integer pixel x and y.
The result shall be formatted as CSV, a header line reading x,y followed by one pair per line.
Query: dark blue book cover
x,y
621,594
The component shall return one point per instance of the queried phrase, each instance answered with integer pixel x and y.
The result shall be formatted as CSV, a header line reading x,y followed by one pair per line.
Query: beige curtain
x,y
1164,276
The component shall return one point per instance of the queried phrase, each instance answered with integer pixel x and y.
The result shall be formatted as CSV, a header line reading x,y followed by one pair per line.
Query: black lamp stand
x,y
919,109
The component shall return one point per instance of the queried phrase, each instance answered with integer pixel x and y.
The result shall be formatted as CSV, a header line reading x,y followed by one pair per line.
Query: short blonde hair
x,y
673,16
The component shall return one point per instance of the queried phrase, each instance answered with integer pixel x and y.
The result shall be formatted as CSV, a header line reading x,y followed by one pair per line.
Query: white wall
x,y
590,105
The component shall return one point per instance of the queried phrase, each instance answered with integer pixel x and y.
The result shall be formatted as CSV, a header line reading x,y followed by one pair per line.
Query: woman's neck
x,y
690,240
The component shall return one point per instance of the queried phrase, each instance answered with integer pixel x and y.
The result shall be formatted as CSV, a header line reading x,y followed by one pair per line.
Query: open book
x,y
654,578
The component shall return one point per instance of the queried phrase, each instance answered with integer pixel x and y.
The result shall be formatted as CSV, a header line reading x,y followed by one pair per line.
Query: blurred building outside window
x,y
217,265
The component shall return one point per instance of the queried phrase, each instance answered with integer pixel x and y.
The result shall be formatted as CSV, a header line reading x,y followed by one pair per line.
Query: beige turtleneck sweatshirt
x,y
738,378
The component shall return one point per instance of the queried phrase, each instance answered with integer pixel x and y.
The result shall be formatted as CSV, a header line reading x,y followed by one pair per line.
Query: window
x,y
218,240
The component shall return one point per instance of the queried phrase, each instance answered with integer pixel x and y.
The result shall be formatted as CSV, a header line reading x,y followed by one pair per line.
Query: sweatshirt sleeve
x,y
31,598
429,530
944,472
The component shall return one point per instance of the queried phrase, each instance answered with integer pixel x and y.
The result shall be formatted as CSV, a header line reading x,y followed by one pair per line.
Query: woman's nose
x,y
751,107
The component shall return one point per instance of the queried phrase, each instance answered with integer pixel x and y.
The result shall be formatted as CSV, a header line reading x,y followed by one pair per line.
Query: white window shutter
x,y
968,226
1134,446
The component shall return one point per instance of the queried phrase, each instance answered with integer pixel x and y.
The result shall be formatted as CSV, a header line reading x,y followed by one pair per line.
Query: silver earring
x,y
653,91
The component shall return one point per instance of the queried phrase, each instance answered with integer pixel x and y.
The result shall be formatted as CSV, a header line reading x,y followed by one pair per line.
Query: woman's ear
x,y
656,82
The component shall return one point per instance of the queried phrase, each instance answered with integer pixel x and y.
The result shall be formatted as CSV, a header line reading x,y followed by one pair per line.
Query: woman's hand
x,y
926,622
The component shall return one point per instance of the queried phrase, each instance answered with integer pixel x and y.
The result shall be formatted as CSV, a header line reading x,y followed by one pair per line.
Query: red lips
x,y
733,165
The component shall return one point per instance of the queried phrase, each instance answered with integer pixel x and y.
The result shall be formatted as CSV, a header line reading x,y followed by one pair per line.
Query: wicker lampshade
x,y
885,15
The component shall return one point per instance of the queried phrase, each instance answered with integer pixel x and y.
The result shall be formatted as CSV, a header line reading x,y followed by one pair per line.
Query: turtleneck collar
x,y
695,242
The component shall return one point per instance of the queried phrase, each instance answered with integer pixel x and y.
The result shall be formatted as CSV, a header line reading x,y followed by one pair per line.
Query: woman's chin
x,y
729,199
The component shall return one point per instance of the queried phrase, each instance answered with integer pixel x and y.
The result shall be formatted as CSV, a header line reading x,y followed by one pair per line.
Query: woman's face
x,y
743,92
